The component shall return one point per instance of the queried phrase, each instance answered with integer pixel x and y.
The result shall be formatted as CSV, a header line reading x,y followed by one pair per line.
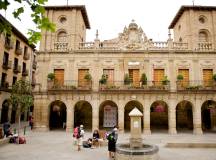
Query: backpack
x,y
110,137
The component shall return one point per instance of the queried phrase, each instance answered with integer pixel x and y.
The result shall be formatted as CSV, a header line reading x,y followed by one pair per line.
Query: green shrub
x,y
51,76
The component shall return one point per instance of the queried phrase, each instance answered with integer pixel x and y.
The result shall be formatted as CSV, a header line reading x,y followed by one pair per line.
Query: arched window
x,y
62,36
203,36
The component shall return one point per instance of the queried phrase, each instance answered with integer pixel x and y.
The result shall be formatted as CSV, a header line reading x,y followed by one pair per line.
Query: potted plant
x,y
165,80
103,79
214,78
127,80
143,79
51,76
88,77
180,77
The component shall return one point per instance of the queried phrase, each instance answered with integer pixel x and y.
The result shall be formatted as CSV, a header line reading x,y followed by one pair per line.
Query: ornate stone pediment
x,y
132,37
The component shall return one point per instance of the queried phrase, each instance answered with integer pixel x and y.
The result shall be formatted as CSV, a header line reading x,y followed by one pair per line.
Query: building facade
x,y
98,83
18,61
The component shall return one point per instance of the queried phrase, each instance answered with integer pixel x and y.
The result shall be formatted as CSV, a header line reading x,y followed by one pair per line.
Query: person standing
x,y
112,139
79,137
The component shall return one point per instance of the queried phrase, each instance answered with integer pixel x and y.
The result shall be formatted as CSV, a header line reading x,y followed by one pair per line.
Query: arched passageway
x,y
184,116
108,115
14,113
159,116
83,114
128,108
208,112
58,115
4,111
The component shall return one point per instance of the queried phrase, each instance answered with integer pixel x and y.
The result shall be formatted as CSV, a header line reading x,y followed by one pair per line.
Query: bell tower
x,y
71,24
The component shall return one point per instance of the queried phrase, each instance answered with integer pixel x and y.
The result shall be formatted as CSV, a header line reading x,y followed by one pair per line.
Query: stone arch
x,y
128,107
159,115
61,35
208,115
184,116
108,114
204,36
57,115
83,114
4,111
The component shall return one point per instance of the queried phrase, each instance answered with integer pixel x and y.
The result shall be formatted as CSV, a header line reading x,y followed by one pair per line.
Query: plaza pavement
x,y
58,145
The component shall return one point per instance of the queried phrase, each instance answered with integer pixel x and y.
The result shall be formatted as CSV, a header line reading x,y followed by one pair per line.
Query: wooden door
x,y
59,76
207,77
185,74
82,82
134,77
158,76
110,74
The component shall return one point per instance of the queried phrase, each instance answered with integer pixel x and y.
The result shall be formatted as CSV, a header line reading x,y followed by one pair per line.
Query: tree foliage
x,y
21,95
38,11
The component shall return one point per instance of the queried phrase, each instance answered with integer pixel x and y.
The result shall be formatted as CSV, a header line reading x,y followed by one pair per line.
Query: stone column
x,y
146,117
121,116
197,122
172,117
70,115
95,114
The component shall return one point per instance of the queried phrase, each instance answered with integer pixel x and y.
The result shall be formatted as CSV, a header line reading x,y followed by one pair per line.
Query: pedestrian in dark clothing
x,y
6,128
112,139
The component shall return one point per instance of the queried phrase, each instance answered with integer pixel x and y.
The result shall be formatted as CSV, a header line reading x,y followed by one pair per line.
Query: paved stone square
x,y
58,145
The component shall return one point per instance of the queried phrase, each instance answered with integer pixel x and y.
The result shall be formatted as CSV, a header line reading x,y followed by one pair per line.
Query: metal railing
x,y
7,65
195,85
69,85
136,86
19,51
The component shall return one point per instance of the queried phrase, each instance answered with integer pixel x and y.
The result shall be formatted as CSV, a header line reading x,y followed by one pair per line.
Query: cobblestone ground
x,y
58,145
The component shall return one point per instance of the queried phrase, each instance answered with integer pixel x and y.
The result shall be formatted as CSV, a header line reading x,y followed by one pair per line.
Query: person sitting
x,y
95,138
7,129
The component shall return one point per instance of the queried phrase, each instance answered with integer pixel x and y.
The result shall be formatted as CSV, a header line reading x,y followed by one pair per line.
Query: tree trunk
x,y
19,127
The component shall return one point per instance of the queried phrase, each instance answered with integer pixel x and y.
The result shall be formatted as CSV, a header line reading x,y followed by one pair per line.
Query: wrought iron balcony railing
x,y
7,65
26,56
135,86
4,86
17,69
19,51
69,85
25,72
196,85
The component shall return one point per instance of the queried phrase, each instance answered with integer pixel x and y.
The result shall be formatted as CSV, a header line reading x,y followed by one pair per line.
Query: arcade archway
x,y
184,116
208,111
58,115
83,114
4,111
128,107
108,115
159,116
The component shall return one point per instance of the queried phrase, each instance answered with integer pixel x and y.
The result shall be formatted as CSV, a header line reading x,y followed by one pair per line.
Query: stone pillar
x,y
172,75
172,117
95,114
197,122
121,116
70,115
146,117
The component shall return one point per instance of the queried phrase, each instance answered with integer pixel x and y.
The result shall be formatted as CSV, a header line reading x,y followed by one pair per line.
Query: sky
x,y
111,16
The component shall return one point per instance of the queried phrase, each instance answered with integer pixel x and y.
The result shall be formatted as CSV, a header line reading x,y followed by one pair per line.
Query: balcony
x,y
8,44
194,86
17,69
150,86
25,72
69,85
18,51
26,56
5,87
60,46
34,65
7,65
205,46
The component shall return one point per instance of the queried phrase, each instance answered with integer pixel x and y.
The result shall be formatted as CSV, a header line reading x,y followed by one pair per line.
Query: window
x,y
16,63
17,44
24,67
14,80
25,51
62,19
203,36
3,79
5,58
207,77
180,39
62,36
185,74
158,76
134,76
202,19
82,82
59,76
110,75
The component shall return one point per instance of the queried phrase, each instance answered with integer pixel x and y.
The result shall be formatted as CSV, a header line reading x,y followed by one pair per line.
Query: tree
x,y
21,97
37,9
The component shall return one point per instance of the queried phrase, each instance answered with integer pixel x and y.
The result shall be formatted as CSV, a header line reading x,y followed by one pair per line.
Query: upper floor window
x,y
5,58
62,36
203,36
202,19
17,44
62,19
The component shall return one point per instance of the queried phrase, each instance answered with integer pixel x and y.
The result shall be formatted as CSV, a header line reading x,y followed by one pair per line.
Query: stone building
x,y
98,83
18,61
